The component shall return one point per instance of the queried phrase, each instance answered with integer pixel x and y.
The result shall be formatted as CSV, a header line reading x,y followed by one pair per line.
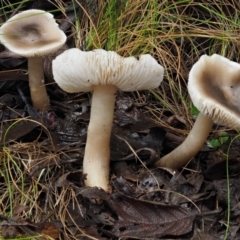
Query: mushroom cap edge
x,y
225,74
78,71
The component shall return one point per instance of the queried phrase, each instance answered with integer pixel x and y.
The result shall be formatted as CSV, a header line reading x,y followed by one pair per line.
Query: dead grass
x,y
176,33
24,189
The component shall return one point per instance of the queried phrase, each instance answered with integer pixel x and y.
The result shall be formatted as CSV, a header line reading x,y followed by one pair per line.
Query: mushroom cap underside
x,y
79,71
214,87
32,33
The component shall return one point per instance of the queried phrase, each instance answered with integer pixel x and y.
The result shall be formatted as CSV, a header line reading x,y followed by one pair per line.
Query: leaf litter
x,y
146,203
44,153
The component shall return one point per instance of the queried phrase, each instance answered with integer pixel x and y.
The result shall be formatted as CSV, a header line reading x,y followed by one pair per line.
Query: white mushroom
x,y
33,34
214,87
103,72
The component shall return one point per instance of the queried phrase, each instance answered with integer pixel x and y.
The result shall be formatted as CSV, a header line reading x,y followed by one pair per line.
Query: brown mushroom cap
x,y
214,87
32,33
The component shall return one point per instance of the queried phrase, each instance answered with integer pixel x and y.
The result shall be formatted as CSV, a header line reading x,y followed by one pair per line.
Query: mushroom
x,y
103,72
32,34
214,87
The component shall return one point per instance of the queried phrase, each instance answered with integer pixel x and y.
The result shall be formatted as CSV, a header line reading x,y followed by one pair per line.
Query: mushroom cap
x,y
214,87
32,33
78,71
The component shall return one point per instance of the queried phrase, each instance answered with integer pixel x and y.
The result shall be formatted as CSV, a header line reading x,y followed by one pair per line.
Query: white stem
x,y
40,99
180,156
97,151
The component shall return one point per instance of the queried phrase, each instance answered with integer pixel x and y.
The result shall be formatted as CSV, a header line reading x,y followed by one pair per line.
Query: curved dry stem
x,y
190,147
40,99
97,151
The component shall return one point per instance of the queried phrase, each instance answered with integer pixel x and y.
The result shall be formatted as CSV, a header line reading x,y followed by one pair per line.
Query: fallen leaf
x,y
149,219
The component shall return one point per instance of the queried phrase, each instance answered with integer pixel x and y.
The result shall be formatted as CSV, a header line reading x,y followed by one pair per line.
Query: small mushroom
x,y
33,34
214,87
103,72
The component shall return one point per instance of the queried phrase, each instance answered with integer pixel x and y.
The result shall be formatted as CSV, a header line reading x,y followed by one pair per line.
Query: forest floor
x,y
42,191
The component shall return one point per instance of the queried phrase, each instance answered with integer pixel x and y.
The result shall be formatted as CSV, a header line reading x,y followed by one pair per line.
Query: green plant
x,y
219,140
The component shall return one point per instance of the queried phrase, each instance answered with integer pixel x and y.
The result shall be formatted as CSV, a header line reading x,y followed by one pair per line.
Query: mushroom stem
x,y
97,151
190,147
38,91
